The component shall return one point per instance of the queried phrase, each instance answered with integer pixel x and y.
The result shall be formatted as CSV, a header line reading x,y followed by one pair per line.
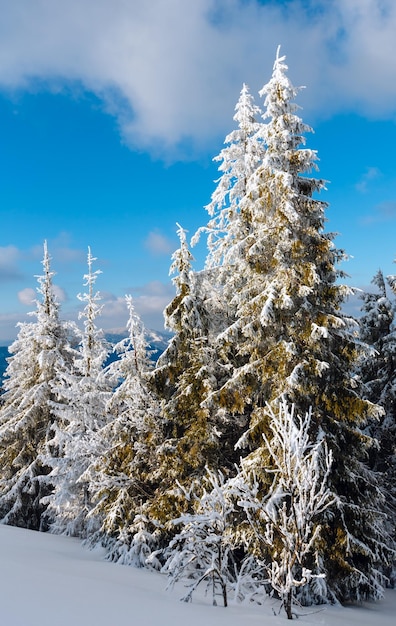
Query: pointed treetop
x,y
246,112
243,152
94,348
380,282
181,233
90,279
137,337
46,262
279,91
278,58
46,255
49,305
285,130
181,259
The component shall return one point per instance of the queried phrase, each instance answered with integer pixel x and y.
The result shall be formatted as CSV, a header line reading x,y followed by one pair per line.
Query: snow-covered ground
x,y
46,580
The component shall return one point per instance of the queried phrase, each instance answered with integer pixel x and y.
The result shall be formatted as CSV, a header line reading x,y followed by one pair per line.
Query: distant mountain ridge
x,y
158,341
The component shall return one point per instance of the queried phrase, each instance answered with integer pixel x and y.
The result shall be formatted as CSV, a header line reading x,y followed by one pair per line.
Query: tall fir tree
x,y
186,373
40,352
121,480
81,410
290,340
377,370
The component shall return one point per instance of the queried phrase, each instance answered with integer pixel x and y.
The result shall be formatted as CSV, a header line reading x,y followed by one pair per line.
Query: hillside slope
x,y
46,579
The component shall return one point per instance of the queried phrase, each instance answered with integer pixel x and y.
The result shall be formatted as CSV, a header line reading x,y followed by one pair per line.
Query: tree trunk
x,y
224,589
288,604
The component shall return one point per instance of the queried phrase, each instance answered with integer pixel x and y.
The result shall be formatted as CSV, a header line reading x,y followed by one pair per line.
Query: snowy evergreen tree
x,y
202,550
121,479
242,155
193,435
81,414
182,379
39,354
290,340
285,517
377,371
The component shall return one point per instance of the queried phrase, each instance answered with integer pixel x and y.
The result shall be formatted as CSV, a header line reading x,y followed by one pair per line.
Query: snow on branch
x,y
287,514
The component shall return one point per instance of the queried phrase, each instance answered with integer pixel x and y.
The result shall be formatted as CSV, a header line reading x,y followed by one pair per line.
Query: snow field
x,y
49,580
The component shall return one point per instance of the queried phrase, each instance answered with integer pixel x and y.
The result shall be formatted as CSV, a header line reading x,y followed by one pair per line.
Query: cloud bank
x,y
149,301
171,71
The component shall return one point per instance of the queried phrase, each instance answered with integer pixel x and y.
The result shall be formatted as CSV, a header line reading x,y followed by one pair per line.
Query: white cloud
x,y
27,296
149,300
158,244
59,293
172,71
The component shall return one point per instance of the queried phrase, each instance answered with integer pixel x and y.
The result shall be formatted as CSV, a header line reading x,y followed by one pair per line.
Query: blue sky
x,y
111,112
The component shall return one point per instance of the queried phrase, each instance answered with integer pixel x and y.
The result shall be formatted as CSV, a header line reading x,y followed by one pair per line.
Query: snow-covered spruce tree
x,y
238,160
377,371
40,352
285,518
291,340
192,436
202,550
81,412
121,479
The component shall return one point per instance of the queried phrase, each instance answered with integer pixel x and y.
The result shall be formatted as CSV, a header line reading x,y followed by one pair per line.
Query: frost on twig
x,y
284,520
